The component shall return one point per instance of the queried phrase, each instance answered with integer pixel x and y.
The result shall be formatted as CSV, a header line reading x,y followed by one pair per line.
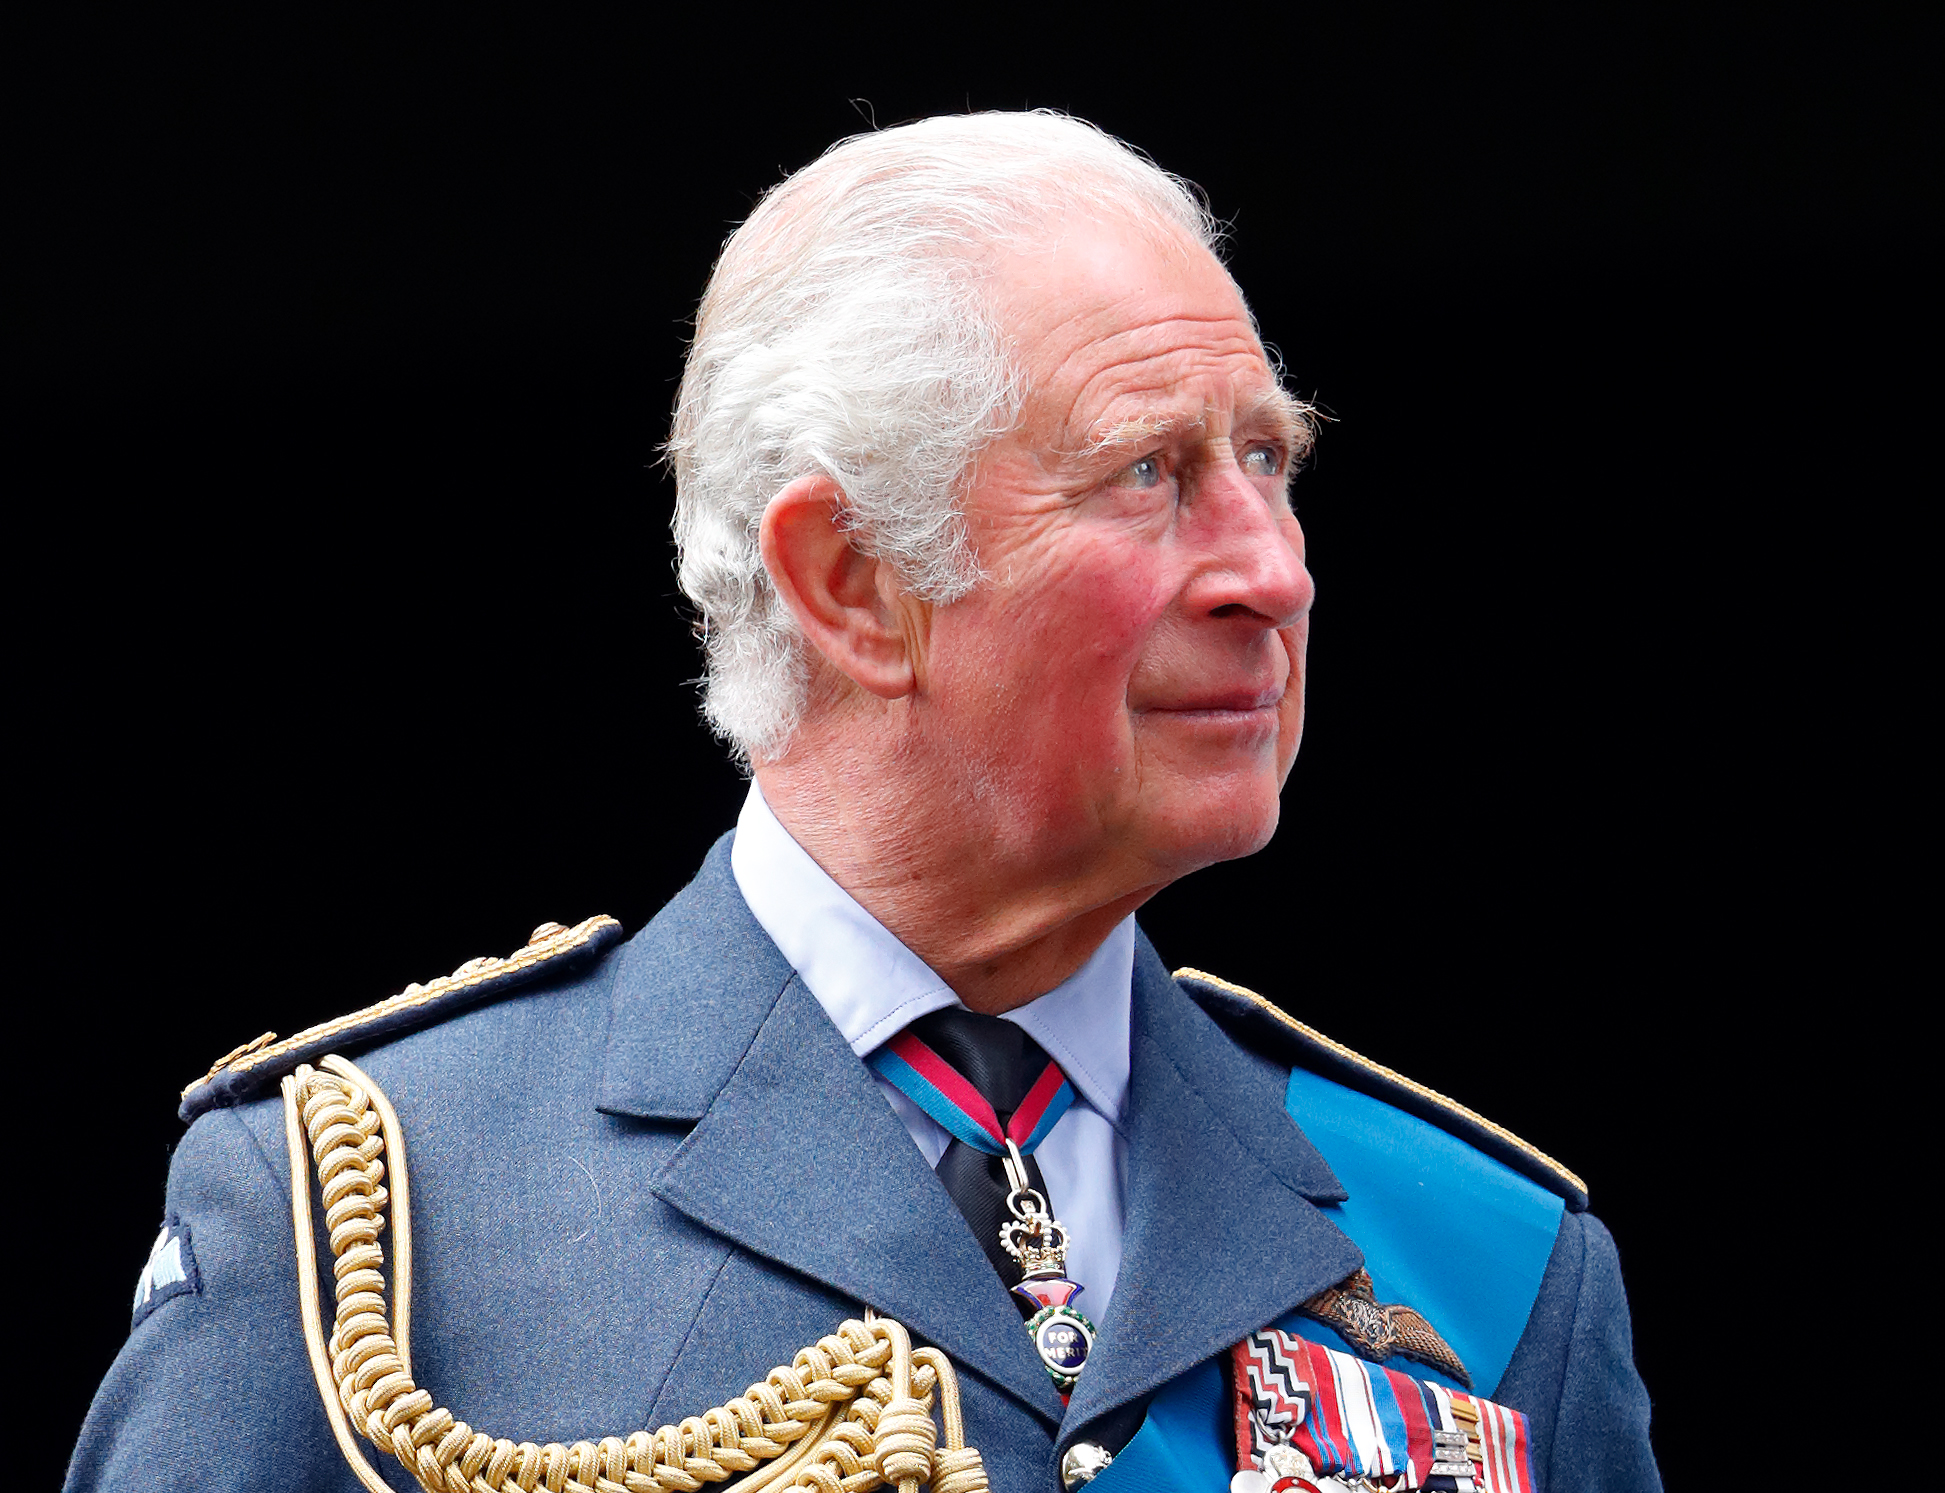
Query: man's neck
x,y
999,935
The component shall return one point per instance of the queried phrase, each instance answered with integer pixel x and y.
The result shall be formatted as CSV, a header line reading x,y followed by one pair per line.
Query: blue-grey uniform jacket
x,y
645,1171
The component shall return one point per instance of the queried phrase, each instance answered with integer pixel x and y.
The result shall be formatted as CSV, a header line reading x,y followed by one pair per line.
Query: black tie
x,y
1002,1062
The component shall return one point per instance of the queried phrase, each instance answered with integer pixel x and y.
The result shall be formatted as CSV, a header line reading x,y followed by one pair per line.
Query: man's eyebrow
x,y
1143,430
1290,419
1294,421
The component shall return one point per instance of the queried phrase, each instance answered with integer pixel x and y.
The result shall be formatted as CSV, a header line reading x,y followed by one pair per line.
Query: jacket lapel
x,y
1222,1230
795,1155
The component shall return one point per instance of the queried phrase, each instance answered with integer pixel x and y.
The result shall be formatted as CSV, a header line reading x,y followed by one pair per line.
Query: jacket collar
x,y
795,1155
691,990
1223,1234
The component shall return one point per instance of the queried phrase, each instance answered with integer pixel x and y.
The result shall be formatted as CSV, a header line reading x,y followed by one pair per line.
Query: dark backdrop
x,y
352,649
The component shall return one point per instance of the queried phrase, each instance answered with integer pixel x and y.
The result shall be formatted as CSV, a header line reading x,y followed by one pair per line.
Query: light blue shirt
x,y
873,987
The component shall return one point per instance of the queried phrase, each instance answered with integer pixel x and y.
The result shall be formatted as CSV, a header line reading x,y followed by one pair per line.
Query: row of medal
x,y
1364,1428
1287,1470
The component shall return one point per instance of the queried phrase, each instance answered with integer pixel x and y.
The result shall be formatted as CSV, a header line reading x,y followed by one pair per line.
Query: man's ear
x,y
849,604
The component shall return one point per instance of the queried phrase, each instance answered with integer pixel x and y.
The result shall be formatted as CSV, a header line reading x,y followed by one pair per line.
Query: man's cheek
x,y
1296,646
1087,644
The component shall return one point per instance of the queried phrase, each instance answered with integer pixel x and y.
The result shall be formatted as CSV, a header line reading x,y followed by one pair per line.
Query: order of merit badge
x,y
1061,1335
1030,1234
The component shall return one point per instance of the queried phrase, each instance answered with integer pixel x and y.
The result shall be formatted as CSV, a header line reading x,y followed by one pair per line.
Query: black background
x,y
347,627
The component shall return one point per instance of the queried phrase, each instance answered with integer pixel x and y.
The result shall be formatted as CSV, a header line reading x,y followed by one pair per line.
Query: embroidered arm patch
x,y
171,1271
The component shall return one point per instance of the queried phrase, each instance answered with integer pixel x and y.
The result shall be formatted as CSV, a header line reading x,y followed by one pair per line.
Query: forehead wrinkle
x,y
1177,404
1160,380
1173,336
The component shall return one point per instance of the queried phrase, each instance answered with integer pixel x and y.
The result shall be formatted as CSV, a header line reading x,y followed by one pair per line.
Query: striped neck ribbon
x,y
944,1093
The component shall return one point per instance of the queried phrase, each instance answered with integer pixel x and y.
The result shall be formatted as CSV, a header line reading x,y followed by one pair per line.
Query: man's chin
x,y
1216,823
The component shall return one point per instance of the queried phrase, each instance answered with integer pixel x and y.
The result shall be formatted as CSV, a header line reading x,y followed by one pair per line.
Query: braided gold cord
x,y
849,1414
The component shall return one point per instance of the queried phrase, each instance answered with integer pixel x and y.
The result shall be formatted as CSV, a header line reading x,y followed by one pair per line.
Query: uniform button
x,y
1085,1461
544,932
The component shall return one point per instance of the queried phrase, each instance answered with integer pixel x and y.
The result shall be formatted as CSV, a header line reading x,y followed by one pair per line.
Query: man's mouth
x,y
1240,701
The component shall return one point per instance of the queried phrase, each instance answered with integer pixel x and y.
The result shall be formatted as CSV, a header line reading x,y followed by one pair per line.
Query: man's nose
x,y
1254,549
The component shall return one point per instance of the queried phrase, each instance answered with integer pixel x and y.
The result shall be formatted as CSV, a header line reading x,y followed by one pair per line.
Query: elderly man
x,y
983,501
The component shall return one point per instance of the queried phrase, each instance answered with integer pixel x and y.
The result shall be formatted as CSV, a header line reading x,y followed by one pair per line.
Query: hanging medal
x,y
1061,1335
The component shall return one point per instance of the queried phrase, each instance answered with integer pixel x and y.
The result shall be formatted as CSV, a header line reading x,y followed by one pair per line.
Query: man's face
x,y
1124,692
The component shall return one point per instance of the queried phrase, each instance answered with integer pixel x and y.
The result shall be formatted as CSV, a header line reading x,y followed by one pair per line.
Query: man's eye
x,y
1144,473
1262,461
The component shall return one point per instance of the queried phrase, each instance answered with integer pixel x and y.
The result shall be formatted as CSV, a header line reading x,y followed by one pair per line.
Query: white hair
x,y
848,331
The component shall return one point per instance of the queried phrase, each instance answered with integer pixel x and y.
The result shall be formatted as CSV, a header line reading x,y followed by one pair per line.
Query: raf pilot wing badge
x,y
1376,1331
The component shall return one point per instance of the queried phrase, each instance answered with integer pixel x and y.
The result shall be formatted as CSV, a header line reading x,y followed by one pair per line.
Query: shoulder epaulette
x,y
1236,1007
552,949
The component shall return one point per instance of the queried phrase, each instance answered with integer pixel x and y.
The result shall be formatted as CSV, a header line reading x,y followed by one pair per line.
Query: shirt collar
x,y
873,987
